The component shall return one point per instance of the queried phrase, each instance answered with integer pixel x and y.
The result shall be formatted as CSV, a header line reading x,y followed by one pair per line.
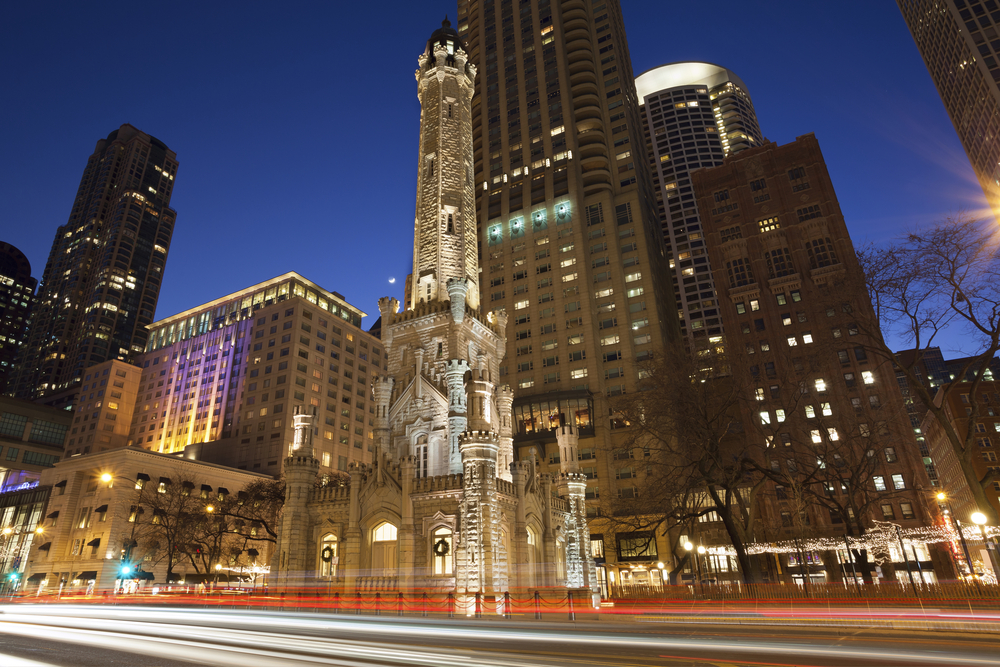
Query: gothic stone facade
x,y
443,506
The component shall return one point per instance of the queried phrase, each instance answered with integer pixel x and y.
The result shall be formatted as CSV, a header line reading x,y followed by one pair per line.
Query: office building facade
x,y
695,114
221,378
568,230
102,279
17,297
959,41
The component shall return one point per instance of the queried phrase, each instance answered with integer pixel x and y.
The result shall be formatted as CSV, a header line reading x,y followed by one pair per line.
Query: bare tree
x,y
943,277
686,420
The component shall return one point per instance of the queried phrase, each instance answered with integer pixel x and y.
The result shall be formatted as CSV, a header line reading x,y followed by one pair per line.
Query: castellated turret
x,y
445,226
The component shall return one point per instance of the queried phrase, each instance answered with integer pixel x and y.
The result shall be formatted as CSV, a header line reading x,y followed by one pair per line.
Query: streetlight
x,y
979,519
218,568
961,536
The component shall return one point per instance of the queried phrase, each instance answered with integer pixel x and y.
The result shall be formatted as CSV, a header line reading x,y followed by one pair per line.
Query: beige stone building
x,y
92,515
102,414
219,380
443,505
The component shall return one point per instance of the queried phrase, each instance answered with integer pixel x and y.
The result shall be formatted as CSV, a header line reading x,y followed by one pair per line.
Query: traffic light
x,y
125,571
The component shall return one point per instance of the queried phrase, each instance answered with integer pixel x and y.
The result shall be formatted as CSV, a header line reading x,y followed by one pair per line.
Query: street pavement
x,y
97,635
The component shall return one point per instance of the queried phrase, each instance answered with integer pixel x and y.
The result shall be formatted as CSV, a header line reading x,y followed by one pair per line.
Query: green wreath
x,y
327,554
441,547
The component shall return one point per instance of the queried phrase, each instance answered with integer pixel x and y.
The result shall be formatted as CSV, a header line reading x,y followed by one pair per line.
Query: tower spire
x,y
444,246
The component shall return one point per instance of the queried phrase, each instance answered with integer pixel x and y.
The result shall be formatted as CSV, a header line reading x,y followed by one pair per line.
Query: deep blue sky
x,y
295,124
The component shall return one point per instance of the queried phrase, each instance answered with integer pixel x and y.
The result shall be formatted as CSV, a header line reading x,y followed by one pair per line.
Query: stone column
x,y
505,404
455,370
548,577
407,529
520,474
352,536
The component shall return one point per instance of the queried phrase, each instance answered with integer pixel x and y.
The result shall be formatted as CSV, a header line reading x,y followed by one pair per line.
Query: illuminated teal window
x,y
494,234
563,213
539,220
516,228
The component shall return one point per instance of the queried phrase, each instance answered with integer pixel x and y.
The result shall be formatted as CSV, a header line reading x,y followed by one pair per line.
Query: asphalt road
x,y
93,635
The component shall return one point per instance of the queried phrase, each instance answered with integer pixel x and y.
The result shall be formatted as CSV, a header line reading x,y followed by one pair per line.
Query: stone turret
x,y
458,290
569,448
505,404
454,374
304,422
300,468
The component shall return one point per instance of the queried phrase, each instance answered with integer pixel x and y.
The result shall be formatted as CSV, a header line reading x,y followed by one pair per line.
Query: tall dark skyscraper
x,y
695,115
569,235
104,271
17,296
959,41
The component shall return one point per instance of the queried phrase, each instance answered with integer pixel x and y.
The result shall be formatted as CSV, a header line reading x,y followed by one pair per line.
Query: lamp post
x,y
126,569
218,568
961,536
979,519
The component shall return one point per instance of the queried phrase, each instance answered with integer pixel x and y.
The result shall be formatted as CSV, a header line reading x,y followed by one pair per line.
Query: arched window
x,y
420,453
328,556
532,563
441,551
384,550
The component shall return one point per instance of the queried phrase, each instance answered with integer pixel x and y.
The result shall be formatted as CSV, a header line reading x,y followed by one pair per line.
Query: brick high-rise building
x,y
17,297
103,275
569,235
960,44
695,115
822,408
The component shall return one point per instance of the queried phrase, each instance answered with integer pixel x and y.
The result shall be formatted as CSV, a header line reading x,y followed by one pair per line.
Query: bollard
x,y
399,603
423,609
378,604
569,598
538,607
506,604
451,605
479,604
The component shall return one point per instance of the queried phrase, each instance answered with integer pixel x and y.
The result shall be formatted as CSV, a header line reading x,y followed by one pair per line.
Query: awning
x,y
45,547
60,485
37,576
206,487
223,491
253,553
187,485
165,480
53,515
143,576
192,578
86,576
100,510
94,543
142,476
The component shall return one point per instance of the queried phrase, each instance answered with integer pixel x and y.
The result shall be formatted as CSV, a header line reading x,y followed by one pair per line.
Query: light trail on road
x,y
266,639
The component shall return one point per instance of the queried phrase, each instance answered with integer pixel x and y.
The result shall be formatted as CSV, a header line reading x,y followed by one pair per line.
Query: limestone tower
x,y
444,240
